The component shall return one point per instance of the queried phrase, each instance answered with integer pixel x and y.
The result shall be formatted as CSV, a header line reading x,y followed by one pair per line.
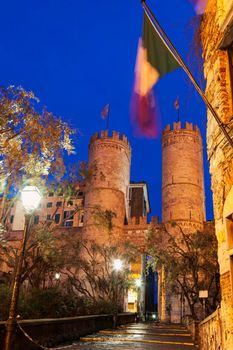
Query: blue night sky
x,y
76,56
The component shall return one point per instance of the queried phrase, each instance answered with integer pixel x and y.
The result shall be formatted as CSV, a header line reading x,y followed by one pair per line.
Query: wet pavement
x,y
138,336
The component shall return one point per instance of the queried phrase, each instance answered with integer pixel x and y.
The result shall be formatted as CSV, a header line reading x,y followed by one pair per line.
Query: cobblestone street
x,y
138,336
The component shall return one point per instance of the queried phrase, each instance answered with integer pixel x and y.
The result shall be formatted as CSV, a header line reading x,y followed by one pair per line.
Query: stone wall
x,y
210,332
217,21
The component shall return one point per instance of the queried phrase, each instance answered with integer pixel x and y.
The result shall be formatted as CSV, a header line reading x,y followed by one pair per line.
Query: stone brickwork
x,y
109,164
210,332
136,231
216,24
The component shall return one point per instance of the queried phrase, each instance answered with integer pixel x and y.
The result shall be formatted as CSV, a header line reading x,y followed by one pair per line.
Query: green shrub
x,y
51,303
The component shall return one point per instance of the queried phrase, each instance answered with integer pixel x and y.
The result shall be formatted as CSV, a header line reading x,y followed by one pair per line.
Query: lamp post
x,y
117,266
30,196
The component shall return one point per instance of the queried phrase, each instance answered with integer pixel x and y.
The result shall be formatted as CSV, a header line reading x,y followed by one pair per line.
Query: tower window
x,y
36,219
57,218
11,219
68,223
69,214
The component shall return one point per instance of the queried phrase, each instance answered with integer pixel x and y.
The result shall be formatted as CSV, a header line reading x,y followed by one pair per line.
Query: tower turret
x,y
182,199
183,178
109,164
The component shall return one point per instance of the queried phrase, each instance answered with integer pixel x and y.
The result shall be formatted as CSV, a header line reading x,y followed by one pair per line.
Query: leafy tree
x,y
31,143
85,267
42,258
90,273
190,263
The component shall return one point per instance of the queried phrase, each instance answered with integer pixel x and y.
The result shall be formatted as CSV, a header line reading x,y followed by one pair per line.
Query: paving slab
x,y
140,336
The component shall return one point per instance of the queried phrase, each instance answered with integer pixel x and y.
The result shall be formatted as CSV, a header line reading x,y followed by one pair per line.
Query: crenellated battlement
x,y
115,136
142,221
178,126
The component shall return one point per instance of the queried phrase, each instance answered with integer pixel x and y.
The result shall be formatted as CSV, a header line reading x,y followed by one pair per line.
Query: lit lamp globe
x,y
57,276
31,198
117,264
138,283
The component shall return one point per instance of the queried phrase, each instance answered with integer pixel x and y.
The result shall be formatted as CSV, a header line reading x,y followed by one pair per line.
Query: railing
x,y
50,332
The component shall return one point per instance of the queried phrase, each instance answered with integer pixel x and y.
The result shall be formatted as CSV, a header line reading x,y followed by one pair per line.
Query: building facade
x,y
217,42
109,188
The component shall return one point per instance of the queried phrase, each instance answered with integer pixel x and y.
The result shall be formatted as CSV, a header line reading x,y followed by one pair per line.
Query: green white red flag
x,y
153,61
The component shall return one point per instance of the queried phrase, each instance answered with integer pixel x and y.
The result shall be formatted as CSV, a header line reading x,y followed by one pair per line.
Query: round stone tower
x,y
183,199
108,185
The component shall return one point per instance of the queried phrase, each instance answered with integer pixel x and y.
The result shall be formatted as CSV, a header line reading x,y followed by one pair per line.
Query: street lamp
x,y
117,266
57,276
30,196
138,283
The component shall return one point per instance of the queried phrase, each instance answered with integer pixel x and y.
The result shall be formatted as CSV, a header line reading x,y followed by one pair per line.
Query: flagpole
x,y
177,57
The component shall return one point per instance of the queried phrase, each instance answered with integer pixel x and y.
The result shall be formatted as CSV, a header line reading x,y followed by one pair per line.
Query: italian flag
x,y
153,61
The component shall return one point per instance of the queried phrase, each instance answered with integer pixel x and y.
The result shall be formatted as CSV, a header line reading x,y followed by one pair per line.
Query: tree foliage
x,y
190,263
91,272
85,267
31,142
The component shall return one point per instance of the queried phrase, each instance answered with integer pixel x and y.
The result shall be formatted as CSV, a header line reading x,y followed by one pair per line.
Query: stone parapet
x,y
136,230
51,332
210,332
178,126
104,135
